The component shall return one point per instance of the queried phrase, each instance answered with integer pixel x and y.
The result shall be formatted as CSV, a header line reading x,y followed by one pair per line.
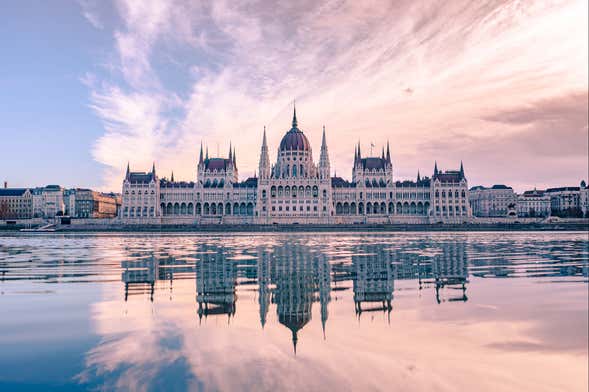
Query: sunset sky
x,y
87,86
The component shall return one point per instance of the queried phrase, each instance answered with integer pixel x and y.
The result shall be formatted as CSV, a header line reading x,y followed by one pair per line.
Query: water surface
x,y
295,311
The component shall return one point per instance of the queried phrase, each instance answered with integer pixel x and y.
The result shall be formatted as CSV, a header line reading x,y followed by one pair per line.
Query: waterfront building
x,y
584,199
295,190
496,201
16,203
565,201
534,203
92,204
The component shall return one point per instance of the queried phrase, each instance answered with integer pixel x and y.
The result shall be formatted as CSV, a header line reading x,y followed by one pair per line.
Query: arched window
x,y
183,208
324,193
206,209
235,208
250,209
228,209
242,209
163,208
301,191
437,193
353,208
338,208
301,171
294,170
280,191
213,209
369,208
287,191
220,209
273,191
294,190
198,209
315,191
308,191
263,193
190,209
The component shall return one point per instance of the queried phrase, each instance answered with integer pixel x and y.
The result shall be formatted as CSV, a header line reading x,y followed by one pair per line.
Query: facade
x,y
295,190
496,201
92,204
584,199
16,203
565,201
534,203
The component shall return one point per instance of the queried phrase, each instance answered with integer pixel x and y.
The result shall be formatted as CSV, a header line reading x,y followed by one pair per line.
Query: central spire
x,y
294,116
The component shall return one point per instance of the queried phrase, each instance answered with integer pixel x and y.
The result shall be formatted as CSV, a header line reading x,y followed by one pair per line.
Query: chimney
x,y
5,184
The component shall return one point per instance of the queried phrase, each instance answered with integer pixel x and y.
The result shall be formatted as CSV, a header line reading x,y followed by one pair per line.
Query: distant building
x,y
565,201
534,203
496,201
92,204
295,190
16,203
584,199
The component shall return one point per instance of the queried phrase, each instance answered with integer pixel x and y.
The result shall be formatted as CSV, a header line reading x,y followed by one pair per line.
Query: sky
x,y
87,86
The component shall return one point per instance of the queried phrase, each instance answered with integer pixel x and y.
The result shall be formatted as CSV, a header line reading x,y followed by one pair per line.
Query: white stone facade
x,y
495,201
295,190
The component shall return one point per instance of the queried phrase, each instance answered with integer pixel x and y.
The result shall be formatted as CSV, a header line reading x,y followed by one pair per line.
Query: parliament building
x,y
295,190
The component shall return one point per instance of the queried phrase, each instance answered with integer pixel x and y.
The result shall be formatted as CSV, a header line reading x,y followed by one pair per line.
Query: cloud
x,y
421,74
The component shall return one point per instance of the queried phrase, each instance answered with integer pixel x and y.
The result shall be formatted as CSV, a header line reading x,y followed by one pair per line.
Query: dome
x,y
295,139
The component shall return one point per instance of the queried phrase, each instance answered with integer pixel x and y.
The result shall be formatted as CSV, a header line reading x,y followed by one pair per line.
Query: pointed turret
x,y
200,157
388,153
234,158
264,163
294,117
355,154
172,178
359,153
153,169
128,171
382,154
461,170
436,168
230,153
324,167
418,176
207,156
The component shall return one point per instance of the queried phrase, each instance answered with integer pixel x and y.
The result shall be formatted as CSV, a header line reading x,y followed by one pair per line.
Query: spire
x,y
200,158
264,163
355,154
207,156
128,171
264,142
230,157
461,170
418,176
172,178
153,169
382,154
294,116
234,158
294,341
436,168
359,153
323,142
388,153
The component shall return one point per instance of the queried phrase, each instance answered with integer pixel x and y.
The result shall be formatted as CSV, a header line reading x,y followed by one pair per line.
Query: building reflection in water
x,y
300,278
373,281
292,276
450,271
216,279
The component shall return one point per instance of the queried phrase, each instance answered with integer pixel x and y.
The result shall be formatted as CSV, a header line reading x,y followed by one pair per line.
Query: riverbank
x,y
561,226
